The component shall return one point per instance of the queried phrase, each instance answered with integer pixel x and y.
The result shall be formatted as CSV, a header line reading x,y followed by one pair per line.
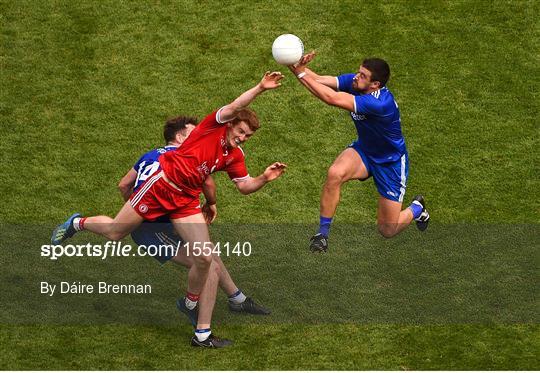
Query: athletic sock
x,y
202,334
191,300
324,225
238,297
78,224
416,208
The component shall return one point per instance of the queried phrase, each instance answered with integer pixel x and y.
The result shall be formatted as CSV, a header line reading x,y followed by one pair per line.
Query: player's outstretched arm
x,y
327,80
270,80
209,209
126,184
253,184
326,94
324,88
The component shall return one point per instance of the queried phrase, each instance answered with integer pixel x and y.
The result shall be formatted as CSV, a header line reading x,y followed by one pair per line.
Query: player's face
x,y
362,81
238,134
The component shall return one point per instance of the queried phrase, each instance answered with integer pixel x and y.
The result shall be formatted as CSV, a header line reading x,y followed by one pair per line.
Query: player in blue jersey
x,y
161,233
379,151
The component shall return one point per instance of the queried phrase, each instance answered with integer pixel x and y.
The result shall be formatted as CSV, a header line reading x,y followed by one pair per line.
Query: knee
x,y
202,261
387,230
335,175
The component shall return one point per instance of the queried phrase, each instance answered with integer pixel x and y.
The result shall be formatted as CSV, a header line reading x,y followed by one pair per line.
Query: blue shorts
x,y
159,239
390,178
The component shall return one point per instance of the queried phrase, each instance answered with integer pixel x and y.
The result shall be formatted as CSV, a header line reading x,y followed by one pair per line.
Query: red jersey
x,y
204,151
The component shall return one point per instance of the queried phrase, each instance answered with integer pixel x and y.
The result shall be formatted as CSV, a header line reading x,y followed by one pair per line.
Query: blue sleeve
x,y
344,82
367,104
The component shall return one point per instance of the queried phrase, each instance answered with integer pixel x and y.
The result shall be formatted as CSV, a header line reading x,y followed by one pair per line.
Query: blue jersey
x,y
148,164
377,120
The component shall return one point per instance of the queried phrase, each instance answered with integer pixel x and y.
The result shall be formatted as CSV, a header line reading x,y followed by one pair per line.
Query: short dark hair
x,y
380,71
173,125
249,117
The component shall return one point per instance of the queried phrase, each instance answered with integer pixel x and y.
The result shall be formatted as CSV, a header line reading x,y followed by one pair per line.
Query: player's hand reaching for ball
x,y
307,58
271,80
274,171
300,66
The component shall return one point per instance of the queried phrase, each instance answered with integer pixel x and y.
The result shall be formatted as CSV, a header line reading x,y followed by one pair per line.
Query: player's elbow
x,y
123,187
244,187
243,190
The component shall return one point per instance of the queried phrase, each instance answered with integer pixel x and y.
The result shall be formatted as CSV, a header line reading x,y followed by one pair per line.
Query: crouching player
x,y
160,233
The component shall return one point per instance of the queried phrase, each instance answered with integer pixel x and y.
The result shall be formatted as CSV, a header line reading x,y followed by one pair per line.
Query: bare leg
x,y
114,229
194,231
348,165
390,219
183,259
208,297
226,282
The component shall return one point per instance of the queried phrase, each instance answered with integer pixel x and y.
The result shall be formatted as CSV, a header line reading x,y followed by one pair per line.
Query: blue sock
x,y
324,225
416,209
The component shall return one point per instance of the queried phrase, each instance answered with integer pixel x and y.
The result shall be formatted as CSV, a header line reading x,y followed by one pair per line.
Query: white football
x,y
287,49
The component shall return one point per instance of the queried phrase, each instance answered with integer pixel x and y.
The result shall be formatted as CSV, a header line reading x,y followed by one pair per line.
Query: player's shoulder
x,y
381,94
235,156
238,152
155,153
380,98
207,124
213,118
379,102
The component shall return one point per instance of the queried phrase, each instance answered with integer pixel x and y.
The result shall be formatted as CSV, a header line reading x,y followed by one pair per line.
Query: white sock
x,y
76,225
202,334
237,297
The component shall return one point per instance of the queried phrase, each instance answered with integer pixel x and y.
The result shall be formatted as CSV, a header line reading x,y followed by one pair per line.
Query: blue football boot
x,y
64,230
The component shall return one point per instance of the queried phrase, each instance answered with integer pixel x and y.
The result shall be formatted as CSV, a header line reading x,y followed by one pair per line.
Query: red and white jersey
x,y
204,151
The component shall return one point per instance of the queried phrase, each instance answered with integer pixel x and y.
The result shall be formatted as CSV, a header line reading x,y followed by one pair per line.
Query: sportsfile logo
x,y
109,249
119,249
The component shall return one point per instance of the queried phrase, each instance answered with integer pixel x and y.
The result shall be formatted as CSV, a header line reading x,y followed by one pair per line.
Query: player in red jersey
x,y
174,191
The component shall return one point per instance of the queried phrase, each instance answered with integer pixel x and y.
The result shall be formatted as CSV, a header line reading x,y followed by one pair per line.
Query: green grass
x,y
86,86
275,347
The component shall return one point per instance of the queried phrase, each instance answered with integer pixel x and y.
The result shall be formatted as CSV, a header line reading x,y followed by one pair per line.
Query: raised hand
x,y
274,171
271,80
307,58
300,66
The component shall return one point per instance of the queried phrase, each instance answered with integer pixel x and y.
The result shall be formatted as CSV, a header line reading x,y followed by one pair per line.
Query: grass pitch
x,y
86,86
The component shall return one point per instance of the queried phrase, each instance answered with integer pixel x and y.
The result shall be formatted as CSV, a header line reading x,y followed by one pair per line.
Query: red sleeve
x,y
237,170
208,123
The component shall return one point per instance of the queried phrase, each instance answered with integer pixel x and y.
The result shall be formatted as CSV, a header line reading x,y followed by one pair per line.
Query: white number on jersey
x,y
145,171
